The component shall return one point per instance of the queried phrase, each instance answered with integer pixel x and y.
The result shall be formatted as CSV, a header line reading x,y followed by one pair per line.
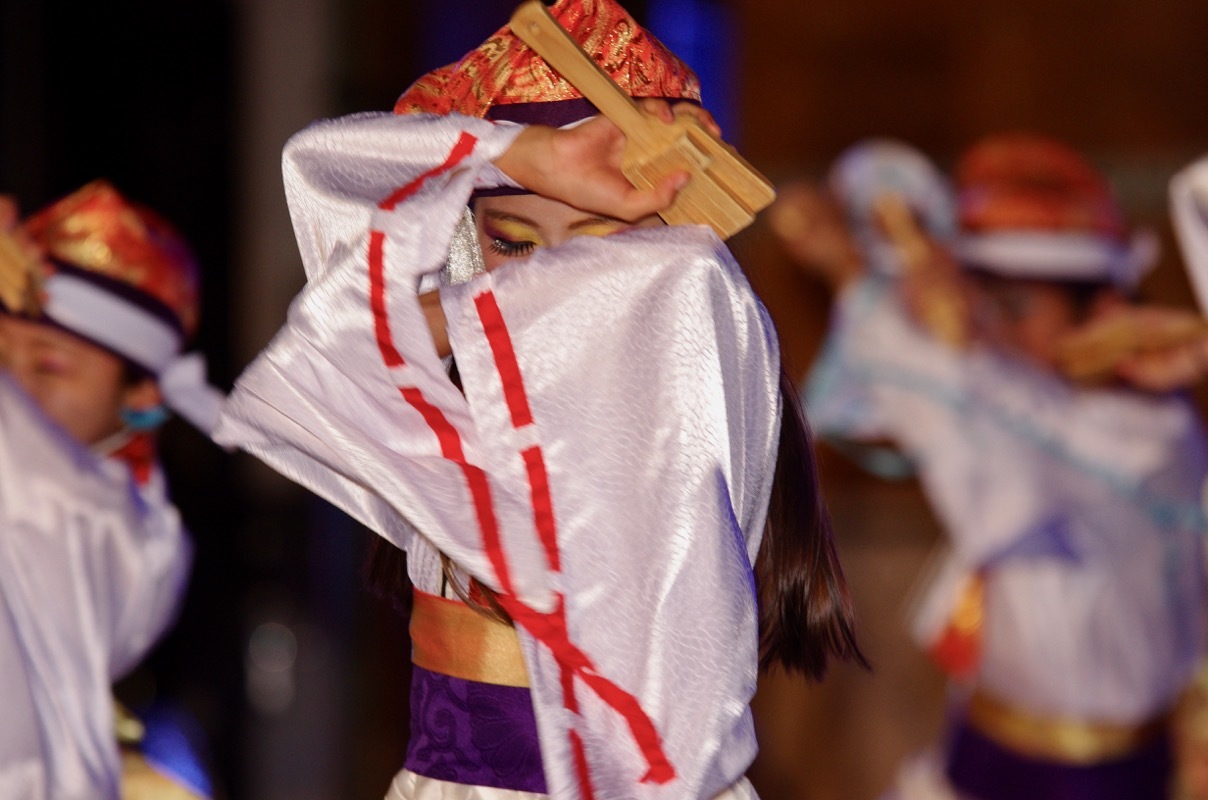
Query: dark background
x,y
295,676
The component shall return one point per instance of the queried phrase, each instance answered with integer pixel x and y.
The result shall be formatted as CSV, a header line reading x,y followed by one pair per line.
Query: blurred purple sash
x,y
980,768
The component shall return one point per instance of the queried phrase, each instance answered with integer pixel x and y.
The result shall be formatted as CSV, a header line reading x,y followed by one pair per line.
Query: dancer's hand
x,y
1178,355
1154,348
581,166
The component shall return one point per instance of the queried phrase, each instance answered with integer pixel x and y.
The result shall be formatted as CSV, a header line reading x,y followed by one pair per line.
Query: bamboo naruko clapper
x,y
725,191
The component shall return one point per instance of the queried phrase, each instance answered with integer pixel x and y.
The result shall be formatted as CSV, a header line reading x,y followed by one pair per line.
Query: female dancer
x,y
613,457
1069,609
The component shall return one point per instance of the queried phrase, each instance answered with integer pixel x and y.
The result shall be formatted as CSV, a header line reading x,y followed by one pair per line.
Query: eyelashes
x,y
511,249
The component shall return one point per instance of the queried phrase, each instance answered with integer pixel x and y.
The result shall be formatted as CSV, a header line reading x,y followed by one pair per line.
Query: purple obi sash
x,y
981,768
472,733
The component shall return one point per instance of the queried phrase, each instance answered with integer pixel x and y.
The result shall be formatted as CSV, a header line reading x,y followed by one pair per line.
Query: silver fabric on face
x,y
465,254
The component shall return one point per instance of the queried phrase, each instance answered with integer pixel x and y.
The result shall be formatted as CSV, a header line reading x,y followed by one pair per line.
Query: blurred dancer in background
x,y
1070,608
101,298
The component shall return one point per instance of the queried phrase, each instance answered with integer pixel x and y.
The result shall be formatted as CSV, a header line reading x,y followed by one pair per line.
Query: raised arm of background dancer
x,y
8,213
810,228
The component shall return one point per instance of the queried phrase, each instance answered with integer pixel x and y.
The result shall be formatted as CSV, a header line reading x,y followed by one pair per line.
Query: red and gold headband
x,y
504,79
99,235
1033,207
1024,181
118,275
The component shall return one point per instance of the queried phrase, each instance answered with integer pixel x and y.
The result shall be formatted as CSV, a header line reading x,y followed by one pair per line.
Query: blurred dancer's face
x,y
513,226
77,384
1026,318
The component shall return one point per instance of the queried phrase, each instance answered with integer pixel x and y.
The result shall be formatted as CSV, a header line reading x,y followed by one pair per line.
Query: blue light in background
x,y
172,746
453,28
700,32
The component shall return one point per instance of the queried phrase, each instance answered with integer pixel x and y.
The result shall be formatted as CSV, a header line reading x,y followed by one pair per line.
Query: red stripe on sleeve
x,y
377,301
480,491
446,434
543,505
476,480
580,757
462,148
551,630
377,273
505,358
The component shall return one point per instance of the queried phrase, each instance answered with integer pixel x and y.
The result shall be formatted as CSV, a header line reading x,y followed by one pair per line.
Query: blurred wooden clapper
x,y
1092,355
725,191
941,305
18,270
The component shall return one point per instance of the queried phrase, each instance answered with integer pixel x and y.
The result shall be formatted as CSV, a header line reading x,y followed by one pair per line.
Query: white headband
x,y
1060,256
111,321
133,332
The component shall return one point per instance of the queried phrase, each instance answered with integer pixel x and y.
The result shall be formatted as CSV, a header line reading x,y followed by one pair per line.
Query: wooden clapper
x,y
725,191
18,286
1092,355
942,309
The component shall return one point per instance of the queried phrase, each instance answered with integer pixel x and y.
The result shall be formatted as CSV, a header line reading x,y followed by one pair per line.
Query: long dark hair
x,y
805,611
385,572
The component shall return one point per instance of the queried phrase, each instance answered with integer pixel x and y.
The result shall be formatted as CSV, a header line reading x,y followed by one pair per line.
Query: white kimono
x,y
1081,508
91,573
607,469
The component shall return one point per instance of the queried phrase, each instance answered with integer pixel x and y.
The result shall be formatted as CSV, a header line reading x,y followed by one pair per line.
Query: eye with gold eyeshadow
x,y
510,249
510,239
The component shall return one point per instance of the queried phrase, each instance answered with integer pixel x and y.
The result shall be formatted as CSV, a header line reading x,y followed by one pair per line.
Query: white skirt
x,y
409,786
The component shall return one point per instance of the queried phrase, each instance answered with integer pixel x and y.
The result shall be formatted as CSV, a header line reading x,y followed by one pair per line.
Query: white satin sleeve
x,y
632,381
350,399
881,376
151,593
608,466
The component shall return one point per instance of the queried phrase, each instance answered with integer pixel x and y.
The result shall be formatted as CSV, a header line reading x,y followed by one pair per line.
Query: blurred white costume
x,y
1071,602
1078,509
91,571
